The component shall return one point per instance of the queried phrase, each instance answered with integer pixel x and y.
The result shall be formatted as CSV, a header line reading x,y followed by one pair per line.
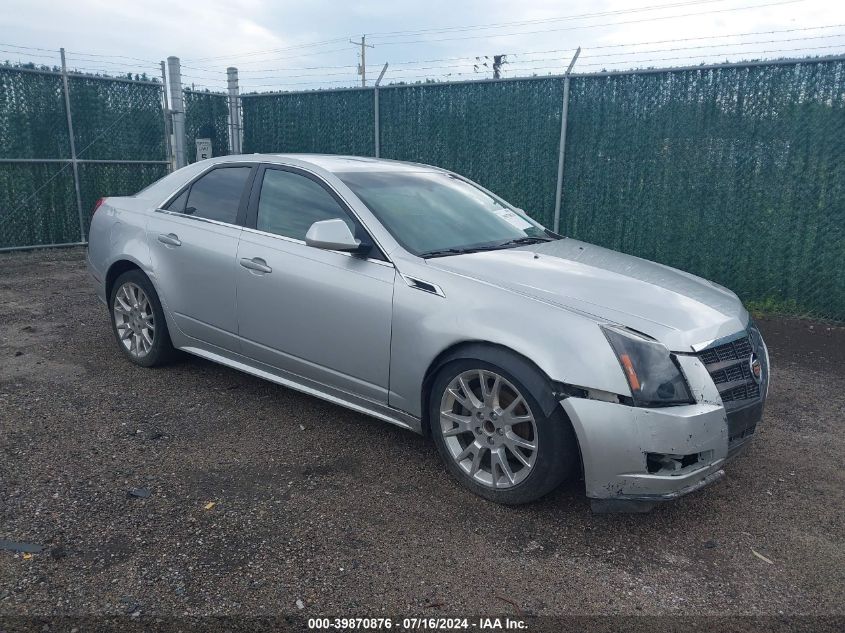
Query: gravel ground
x,y
351,516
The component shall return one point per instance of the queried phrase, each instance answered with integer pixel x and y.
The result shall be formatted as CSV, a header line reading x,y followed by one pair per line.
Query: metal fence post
x,y
178,111
564,115
166,105
234,115
73,161
375,112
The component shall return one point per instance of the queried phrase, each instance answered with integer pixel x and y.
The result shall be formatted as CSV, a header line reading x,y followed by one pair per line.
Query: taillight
x,y
97,205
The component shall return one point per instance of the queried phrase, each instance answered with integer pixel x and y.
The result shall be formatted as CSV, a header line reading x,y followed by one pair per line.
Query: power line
x,y
592,26
270,70
766,52
272,59
710,37
29,54
581,16
31,48
683,39
519,53
435,78
514,63
105,56
268,51
631,61
283,78
697,47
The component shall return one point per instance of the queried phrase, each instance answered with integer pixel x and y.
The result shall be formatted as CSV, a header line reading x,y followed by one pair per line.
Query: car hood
x,y
678,309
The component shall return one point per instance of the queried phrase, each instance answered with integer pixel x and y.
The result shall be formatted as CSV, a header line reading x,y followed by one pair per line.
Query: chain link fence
x,y
118,147
325,121
734,172
206,116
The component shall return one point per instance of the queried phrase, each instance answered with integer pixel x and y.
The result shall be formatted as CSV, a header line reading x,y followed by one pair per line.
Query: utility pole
x,y
362,67
498,60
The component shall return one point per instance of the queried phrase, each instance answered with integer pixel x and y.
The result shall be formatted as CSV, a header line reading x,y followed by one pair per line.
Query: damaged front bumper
x,y
635,457
647,455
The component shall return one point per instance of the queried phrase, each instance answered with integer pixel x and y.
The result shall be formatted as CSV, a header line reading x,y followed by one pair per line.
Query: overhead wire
x,y
376,67
592,26
500,25
581,16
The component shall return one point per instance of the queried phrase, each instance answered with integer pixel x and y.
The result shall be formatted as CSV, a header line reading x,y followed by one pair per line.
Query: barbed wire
x,y
376,67
518,65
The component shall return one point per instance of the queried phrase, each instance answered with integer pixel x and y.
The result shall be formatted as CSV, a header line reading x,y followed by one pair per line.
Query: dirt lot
x,y
352,516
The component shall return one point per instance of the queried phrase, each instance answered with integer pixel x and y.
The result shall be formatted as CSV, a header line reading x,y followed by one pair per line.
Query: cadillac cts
x,y
411,294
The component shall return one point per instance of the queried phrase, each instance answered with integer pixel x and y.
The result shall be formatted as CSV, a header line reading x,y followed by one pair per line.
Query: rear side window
x,y
215,196
290,203
178,204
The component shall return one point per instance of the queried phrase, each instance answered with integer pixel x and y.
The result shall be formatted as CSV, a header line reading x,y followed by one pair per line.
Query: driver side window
x,y
290,203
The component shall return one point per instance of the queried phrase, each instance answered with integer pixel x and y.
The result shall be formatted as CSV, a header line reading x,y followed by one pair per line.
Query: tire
x,y
498,433
140,316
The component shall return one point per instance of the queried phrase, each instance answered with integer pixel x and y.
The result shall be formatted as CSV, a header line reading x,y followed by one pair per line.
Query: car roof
x,y
340,164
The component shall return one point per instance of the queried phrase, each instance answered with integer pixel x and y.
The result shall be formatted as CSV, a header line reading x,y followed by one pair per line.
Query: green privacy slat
x,y
32,116
503,135
113,179
37,204
116,120
735,174
112,120
326,122
206,116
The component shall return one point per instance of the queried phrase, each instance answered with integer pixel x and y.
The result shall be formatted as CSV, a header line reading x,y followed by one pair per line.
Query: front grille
x,y
735,350
729,367
741,392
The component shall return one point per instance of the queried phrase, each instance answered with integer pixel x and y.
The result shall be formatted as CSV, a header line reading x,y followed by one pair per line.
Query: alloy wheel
x,y
488,428
134,319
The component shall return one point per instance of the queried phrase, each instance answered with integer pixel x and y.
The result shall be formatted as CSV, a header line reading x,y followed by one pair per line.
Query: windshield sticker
x,y
512,218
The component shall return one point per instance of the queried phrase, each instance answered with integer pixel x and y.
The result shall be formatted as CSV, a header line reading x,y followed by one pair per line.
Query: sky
x,y
301,45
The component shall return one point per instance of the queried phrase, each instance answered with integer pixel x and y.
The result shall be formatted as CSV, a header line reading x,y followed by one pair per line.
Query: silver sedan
x,y
408,293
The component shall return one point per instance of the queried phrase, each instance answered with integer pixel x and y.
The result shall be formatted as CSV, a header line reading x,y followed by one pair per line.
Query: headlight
x,y
653,375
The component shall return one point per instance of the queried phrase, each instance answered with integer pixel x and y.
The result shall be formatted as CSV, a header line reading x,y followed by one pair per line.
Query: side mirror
x,y
332,235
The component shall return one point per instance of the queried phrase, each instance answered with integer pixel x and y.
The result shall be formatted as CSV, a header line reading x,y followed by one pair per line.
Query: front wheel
x,y
138,320
493,435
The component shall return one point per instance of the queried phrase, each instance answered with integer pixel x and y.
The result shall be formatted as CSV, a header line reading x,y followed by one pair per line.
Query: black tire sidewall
x,y
162,349
557,449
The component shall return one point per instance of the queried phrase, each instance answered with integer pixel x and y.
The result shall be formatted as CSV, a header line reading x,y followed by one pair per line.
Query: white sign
x,y
203,148
512,218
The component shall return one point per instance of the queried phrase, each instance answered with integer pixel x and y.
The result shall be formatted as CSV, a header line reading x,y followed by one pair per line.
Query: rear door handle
x,y
170,239
257,264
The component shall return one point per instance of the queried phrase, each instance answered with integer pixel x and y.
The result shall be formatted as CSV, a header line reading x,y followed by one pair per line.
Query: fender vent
x,y
425,286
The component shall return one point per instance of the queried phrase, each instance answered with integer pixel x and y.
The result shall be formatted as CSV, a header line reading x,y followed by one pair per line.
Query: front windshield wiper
x,y
444,252
519,241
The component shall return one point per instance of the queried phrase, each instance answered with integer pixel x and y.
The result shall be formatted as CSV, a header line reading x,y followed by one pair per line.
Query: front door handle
x,y
170,239
257,264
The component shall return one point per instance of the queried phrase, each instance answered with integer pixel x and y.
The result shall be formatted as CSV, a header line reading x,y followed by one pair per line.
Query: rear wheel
x,y
138,320
493,435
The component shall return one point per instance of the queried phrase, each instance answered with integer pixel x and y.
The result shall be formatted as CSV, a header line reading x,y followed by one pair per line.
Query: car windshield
x,y
433,213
